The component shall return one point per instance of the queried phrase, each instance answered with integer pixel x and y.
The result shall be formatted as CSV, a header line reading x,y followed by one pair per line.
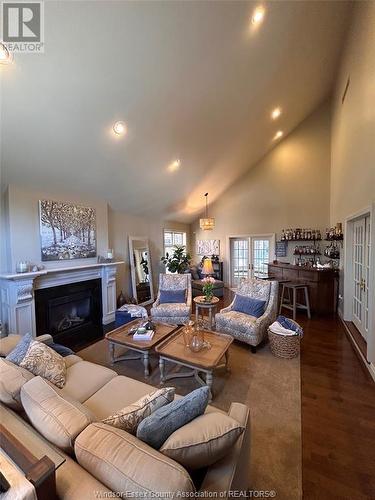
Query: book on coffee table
x,y
145,336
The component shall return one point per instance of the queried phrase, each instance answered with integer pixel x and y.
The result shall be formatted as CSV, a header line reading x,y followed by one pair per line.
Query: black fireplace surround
x,y
71,313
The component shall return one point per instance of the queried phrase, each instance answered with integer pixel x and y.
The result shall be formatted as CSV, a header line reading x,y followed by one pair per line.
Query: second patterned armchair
x,y
178,313
248,328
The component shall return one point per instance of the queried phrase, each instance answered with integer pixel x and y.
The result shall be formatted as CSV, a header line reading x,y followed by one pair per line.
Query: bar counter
x,y
322,284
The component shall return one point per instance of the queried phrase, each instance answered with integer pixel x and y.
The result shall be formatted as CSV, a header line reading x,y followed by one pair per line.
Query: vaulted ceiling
x,y
191,80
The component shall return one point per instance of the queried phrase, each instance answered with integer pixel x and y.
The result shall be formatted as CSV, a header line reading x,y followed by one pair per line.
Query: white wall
x,y
353,122
289,187
23,225
353,132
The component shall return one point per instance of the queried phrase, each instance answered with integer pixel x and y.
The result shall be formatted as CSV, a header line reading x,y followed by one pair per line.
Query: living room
x,y
205,171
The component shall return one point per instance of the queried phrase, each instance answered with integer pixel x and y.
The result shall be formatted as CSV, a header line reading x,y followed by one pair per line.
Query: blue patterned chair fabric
x,y
248,328
173,313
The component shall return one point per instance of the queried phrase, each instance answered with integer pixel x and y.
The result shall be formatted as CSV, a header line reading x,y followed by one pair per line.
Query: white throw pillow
x,y
44,361
129,418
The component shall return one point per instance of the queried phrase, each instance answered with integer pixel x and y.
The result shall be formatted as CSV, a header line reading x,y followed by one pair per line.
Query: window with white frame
x,y
173,238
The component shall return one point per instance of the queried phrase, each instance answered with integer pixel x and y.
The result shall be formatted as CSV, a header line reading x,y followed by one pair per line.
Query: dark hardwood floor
x,y
338,413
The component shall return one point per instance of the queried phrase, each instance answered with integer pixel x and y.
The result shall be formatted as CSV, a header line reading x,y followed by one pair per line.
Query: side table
x,y
201,303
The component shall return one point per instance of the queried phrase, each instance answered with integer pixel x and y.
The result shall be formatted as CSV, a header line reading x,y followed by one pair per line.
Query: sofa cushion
x,y
172,296
12,378
17,354
125,464
249,305
44,361
194,272
73,482
72,359
58,418
128,418
61,349
156,428
116,394
8,343
203,441
83,379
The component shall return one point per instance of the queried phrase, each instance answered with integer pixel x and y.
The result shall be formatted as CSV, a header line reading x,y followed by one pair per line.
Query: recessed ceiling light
x,y
276,113
6,57
119,128
258,15
278,134
175,165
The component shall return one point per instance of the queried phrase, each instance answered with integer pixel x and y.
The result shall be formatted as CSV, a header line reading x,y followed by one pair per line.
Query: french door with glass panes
x,y
262,251
239,260
361,274
249,257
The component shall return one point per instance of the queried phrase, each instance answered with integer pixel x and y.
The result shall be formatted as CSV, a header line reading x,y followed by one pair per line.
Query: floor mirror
x,y
140,265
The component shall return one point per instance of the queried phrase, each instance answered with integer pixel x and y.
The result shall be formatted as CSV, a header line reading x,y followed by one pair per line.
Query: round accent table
x,y
200,303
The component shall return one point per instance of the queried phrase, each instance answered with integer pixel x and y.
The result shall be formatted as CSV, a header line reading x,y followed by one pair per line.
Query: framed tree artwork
x,y
67,231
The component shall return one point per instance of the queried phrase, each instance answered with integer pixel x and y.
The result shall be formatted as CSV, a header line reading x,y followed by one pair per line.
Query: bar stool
x,y
291,302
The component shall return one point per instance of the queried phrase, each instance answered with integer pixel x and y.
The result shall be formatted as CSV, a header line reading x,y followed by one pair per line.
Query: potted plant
x,y
178,262
208,288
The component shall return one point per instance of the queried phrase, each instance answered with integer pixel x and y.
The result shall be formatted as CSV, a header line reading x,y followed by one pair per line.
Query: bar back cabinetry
x,y
322,284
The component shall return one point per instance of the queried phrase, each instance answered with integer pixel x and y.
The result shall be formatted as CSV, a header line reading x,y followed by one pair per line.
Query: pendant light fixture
x,y
207,223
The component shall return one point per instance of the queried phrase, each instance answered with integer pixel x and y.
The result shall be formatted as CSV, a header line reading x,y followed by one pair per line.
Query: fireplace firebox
x,y
71,313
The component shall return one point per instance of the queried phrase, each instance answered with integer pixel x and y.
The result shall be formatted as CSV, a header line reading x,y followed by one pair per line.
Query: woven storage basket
x,y
285,346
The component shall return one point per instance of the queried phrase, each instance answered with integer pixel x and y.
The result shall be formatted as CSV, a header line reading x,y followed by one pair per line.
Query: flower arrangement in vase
x,y
208,288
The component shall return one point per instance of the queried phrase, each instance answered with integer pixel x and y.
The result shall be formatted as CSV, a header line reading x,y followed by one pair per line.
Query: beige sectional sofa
x,y
117,461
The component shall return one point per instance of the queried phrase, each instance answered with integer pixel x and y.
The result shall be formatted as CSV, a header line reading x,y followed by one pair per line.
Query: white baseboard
x,y
370,367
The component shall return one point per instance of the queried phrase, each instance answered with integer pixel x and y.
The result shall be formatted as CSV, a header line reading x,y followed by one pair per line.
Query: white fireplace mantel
x,y
17,292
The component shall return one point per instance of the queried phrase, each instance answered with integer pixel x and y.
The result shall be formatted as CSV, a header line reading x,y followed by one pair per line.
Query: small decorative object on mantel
x,y
23,266
104,260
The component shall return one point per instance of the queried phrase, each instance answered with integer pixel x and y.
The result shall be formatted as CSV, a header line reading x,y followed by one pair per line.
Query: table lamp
x,y
207,267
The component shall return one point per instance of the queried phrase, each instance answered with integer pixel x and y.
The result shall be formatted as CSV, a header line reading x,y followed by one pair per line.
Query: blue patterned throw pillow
x,y
248,305
18,353
156,429
172,296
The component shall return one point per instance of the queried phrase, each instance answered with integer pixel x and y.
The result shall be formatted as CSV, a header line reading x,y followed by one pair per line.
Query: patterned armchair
x,y
248,328
173,313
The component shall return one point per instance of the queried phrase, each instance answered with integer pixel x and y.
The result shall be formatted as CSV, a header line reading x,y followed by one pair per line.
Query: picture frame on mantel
x,y
67,231
208,247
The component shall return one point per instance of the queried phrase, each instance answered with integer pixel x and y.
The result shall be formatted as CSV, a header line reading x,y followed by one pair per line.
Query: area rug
x,y
269,386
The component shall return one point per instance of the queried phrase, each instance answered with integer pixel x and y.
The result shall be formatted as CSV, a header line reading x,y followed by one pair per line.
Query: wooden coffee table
x,y
123,336
174,350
